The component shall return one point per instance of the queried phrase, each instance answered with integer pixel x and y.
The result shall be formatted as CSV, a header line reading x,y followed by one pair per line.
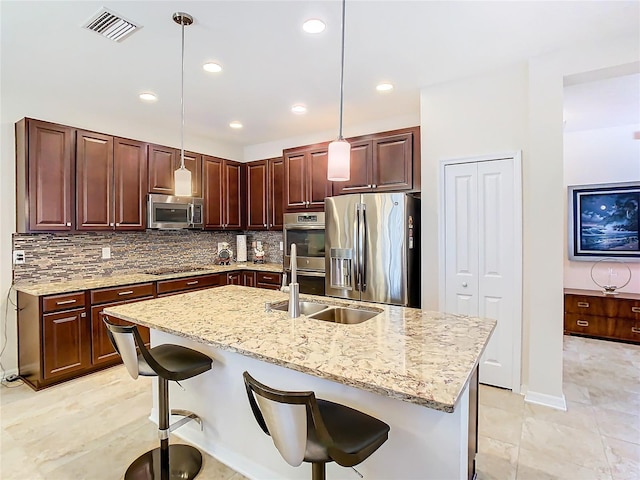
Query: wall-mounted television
x,y
603,221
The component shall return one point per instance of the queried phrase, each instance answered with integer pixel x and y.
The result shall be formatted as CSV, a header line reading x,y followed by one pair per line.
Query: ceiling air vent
x,y
111,25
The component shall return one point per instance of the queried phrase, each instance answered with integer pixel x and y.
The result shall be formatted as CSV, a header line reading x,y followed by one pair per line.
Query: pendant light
x,y
339,162
182,176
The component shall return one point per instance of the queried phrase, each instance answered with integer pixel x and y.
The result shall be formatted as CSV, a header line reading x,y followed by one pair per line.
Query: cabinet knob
x,y
68,224
117,224
465,284
375,186
265,224
271,224
111,224
83,315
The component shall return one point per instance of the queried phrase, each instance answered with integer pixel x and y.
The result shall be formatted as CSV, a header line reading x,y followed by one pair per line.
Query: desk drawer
x,y
588,324
65,301
626,329
115,294
584,305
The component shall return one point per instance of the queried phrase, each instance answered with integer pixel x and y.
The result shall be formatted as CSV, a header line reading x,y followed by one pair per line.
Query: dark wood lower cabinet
x,y
62,336
66,348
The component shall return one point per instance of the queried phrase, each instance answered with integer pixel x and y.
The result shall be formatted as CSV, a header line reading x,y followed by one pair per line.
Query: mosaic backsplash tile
x,y
66,256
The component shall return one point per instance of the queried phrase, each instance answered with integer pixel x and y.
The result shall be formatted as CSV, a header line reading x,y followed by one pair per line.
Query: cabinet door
x,y
295,187
94,181
130,180
213,204
193,163
319,186
257,188
161,165
66,342
361,170
276,193
50,177
393,163
234,278
102,351
249,279
232,195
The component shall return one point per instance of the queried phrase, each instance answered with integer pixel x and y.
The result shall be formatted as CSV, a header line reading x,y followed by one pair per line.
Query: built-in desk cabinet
x,y
594,314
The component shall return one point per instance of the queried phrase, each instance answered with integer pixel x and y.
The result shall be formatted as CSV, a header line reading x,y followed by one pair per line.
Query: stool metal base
x,y
185,463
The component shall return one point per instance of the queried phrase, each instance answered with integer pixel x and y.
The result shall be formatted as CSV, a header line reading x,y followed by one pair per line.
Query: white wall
x,y
601,155
517,108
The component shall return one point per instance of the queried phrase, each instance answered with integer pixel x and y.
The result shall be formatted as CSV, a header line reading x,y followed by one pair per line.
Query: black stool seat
x,y
313,430
355,435
174,362
168,363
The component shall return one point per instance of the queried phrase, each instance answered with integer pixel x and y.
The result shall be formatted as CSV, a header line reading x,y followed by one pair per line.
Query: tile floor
x,y
93,427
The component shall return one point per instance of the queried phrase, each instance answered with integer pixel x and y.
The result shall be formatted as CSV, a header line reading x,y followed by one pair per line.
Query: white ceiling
x,y
270,63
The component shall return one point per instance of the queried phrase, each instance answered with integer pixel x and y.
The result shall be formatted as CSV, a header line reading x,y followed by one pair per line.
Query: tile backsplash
x,y
65,256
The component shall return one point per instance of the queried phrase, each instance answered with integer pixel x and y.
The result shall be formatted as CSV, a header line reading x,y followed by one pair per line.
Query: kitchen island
x,y
413,369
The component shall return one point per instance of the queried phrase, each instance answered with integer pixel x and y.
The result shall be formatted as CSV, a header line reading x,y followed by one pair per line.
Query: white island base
x,y
423,443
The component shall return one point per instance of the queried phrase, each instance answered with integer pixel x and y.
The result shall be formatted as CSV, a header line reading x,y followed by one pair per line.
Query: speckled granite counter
x,y
54,288
417,356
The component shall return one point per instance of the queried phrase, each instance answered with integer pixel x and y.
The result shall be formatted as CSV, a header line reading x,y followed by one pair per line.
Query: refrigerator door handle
x,y
363,248
356,266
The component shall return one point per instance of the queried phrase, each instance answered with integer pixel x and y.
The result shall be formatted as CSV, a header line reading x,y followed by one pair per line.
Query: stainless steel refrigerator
x,y
372,248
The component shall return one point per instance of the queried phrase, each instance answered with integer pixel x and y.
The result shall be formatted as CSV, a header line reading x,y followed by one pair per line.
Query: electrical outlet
x,y
281,246
18,257
106,253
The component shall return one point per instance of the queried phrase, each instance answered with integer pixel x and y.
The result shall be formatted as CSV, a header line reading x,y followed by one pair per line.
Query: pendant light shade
x,y
182,176
339,162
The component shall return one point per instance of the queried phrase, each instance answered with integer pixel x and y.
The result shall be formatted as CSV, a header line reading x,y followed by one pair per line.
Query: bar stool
x,y
167,362
317,431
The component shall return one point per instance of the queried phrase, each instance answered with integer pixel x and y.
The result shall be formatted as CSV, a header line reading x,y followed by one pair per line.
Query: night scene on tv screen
x,y
609,221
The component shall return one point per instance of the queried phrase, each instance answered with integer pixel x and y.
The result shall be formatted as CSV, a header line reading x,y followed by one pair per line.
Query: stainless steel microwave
x,y
168,212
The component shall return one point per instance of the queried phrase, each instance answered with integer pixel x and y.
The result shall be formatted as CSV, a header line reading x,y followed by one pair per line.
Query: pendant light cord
x,y
340,137
182,101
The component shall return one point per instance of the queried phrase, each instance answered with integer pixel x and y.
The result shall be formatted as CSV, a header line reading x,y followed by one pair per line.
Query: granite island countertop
x,y
75,285
413,355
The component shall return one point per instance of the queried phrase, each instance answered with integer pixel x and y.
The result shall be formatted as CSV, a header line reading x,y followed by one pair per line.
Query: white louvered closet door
x,y
479,256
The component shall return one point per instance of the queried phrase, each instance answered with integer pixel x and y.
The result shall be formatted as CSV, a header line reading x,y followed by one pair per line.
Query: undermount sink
x,y
331,313
306,308
345,315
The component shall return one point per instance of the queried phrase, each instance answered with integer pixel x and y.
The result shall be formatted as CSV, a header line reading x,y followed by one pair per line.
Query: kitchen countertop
x,y
53,288
413,355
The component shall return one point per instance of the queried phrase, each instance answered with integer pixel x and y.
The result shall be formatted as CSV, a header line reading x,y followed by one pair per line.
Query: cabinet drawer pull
x,y
583,304
128,292
195,282
83,315
65,302
635,329
635,309
582,323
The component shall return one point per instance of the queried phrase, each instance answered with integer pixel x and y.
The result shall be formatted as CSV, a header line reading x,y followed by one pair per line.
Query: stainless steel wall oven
x,y
306,230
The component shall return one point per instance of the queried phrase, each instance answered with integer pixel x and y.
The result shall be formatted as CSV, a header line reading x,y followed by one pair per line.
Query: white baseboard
x,y
559,403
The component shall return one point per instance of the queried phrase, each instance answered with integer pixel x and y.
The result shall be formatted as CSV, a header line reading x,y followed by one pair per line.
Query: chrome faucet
x,y
294,287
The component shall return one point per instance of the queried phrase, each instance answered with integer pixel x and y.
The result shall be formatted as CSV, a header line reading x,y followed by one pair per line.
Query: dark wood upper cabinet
x,y
130,182
193,163
110,183
257,191
161,163
361,170
94,181
45,172
305,178
264,200
212,181
276,193
393,162
383,162
223,194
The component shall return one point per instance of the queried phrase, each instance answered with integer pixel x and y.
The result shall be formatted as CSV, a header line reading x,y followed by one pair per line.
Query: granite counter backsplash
x,y
52,257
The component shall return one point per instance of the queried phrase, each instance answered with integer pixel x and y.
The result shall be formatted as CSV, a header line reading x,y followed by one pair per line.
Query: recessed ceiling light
x,y
235,125
384,87
212,67
148,96
313,25
299,109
